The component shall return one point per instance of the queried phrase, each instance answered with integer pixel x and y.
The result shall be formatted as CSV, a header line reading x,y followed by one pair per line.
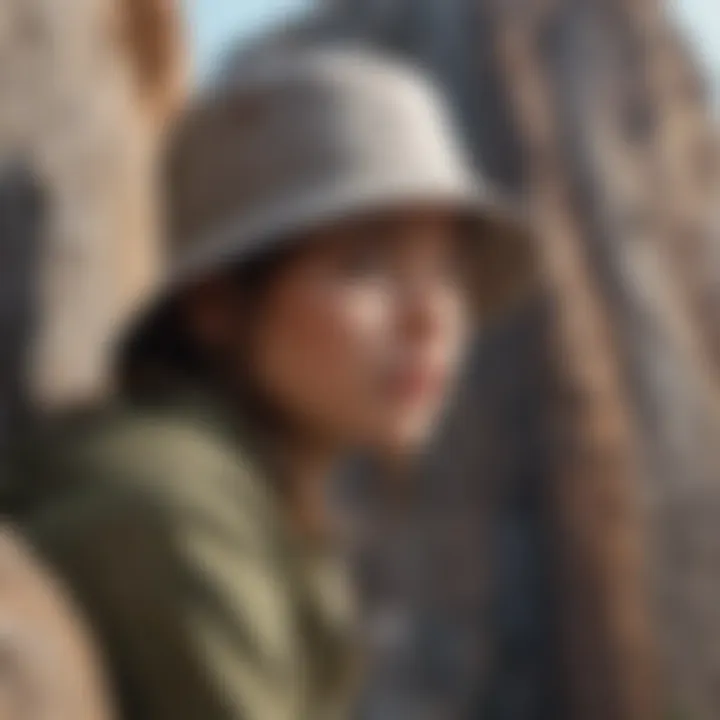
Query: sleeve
x,y
191,608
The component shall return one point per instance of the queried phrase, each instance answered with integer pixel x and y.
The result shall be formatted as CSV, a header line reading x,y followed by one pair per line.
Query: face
x,y
359,336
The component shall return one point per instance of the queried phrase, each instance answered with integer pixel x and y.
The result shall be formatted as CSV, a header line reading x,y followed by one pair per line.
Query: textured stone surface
x,y
84,87
49,664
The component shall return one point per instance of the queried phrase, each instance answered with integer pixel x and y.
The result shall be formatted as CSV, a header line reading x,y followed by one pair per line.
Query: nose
x,y
427,313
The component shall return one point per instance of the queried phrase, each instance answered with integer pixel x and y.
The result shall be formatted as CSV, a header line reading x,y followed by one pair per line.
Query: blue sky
x,y
702,20
215,23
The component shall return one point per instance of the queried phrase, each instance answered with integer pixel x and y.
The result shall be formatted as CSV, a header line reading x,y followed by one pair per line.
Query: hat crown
x,y
299,129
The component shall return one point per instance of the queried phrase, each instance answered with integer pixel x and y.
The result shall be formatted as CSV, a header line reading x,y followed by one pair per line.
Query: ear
x,y
153,35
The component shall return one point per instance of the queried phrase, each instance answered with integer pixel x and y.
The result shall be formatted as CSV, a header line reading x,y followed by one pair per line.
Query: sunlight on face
x,y
361,335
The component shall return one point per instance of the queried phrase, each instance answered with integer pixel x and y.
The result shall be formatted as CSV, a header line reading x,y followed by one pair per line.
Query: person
x,y
331,252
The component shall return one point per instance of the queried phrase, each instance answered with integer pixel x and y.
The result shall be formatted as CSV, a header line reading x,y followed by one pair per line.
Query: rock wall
x,y
85,88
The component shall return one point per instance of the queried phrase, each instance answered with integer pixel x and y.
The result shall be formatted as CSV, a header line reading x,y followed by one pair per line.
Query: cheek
x,y
457,334
320,350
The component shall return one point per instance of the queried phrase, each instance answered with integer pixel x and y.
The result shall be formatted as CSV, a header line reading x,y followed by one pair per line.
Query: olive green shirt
x,y
171,538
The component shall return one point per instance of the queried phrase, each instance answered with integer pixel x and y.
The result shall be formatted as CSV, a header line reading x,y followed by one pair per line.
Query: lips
x,y
416,384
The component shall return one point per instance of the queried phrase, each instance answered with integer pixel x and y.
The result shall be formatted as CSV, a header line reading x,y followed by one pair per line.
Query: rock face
x,y
85,86
50,664
561,558
577,492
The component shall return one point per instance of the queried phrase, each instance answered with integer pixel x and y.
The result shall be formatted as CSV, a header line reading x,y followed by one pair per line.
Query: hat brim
x,y
502,246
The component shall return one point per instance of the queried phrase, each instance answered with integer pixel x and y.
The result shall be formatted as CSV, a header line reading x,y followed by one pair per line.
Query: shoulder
x,y
149,502
133,471
144,453
167,543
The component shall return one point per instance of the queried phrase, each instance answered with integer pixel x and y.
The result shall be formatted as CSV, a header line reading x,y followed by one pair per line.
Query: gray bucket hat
x,y
314,136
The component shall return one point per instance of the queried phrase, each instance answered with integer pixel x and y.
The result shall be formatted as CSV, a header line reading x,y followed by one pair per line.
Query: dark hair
x,y
162,351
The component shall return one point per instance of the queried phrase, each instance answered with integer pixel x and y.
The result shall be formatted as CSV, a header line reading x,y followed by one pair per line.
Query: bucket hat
x,y
312,137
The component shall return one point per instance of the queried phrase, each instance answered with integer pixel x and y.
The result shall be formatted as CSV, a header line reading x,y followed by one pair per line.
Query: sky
x,y
701,18
215,23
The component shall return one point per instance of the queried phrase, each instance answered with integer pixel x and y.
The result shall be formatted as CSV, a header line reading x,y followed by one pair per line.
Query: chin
x,y
409,439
